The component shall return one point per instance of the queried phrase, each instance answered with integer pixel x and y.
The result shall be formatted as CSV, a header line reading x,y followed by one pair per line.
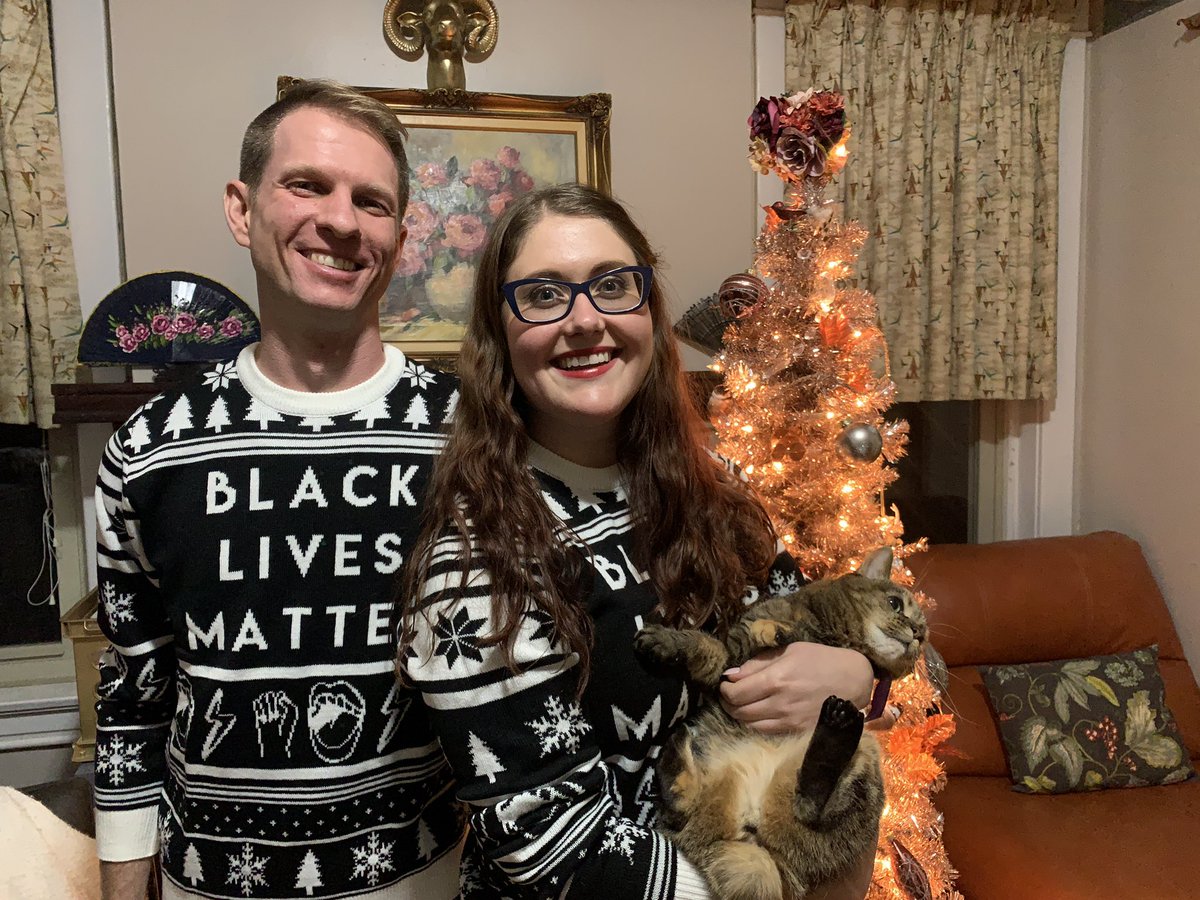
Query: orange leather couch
x,y
1047,599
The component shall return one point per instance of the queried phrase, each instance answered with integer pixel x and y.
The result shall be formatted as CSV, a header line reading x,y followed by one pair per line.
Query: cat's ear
x,y
878,564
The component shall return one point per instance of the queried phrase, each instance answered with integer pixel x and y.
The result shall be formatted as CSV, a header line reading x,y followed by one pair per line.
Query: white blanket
x,y
41,857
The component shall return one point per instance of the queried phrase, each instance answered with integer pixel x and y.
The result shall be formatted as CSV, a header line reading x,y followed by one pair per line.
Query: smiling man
x,y
251,731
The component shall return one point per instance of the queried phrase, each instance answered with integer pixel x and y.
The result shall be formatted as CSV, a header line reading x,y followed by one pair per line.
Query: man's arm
x,y
125,880
137,690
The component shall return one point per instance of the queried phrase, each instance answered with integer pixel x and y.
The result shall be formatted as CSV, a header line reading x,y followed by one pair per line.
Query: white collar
x,y
328,403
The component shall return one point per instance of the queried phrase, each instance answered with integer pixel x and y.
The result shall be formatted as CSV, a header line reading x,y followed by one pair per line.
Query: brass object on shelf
x,y
87,642
449,30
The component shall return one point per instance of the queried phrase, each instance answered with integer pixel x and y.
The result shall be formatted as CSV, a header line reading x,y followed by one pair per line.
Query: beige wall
x,y
1139,422
188,77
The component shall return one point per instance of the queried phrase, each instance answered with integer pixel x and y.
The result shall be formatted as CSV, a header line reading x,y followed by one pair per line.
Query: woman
x,y
580,502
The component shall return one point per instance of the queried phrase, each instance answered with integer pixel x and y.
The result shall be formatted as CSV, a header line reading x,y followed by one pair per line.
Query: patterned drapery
x,y
954,173
39,299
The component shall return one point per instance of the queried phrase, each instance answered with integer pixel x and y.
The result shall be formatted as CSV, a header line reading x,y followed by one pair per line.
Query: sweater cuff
x,y
689,883
122,835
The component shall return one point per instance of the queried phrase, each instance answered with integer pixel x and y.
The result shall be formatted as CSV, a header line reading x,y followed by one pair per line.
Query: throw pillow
x,y
1086,724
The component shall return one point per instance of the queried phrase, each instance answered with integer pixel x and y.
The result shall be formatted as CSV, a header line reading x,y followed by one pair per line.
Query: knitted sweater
x,y
251,730
562,790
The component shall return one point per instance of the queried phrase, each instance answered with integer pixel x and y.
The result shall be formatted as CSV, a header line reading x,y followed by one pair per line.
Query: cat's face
x,y
895,627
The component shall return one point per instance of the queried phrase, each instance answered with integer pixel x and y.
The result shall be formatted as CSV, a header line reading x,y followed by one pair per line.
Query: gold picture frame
x,y
471,153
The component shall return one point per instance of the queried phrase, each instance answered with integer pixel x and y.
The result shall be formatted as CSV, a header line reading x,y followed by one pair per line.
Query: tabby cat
x,y
769,817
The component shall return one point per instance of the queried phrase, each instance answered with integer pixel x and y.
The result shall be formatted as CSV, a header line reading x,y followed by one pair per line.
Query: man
x,y
251,731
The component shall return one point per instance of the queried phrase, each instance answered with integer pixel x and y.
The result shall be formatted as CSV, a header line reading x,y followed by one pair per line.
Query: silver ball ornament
x,y
861,442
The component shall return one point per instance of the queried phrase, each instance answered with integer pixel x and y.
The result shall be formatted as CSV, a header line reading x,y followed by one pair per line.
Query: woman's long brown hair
x,y
700,534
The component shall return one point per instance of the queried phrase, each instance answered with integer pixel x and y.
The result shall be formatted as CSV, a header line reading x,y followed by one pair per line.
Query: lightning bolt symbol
x,y
394,708
152,688
222,724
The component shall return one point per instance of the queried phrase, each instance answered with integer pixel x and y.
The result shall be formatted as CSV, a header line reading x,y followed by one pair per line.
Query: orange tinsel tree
x,y
805,386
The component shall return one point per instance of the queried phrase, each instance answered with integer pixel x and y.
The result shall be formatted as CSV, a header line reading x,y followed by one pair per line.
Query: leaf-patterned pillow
x,y
1086,724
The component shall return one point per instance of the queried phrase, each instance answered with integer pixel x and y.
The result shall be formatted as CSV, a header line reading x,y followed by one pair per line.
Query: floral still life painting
x,y
461,182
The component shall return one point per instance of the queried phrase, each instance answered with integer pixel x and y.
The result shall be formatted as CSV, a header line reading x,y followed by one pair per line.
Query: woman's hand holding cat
x,y
782,690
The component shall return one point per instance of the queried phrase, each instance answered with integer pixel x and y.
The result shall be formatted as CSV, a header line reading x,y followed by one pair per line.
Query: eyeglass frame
x,y
509,290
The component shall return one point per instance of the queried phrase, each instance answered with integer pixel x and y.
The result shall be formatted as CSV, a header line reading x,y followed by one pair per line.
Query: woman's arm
x,y
544,807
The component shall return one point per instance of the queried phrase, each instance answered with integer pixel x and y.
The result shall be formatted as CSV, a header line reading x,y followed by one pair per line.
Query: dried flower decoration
x,y
798,137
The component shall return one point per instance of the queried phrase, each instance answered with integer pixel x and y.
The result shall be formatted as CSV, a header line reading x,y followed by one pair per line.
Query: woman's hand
x,y
782,690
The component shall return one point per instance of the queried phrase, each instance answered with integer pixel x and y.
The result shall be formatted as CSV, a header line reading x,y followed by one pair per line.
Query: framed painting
x,y
469,155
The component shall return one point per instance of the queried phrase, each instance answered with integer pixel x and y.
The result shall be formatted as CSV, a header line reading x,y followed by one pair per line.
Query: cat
x,y
770,817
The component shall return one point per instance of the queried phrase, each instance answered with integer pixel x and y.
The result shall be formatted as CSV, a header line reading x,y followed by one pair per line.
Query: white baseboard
x,y
37,716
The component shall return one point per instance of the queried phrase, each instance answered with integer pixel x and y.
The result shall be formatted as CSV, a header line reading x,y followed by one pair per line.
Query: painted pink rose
x,y
160,323
204,332
484,175
231,327
420,220
170,334
497,203
465,233
412,261
122,331
522,182
185,323
431,175
509,158
140,332
128,343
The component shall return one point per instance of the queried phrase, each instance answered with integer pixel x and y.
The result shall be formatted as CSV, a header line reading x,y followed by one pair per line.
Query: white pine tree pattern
x,y
316,423
218,416
621,835
556,507
418,376
246,870
179,419
165,832
562,728
783,583
418,413
220,376
116,759
118,607
451,408
139,435
309,876
483,758
425,840
372,860
192,870
376,409
262,414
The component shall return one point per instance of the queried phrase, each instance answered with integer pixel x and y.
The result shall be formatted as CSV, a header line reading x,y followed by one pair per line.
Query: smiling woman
x,y
576,442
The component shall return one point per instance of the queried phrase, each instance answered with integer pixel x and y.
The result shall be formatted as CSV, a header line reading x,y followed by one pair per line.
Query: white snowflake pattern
x,y
372,860
116,760
220,377
621,835
783,583
247,870
165,833
118,607
418,376
561,728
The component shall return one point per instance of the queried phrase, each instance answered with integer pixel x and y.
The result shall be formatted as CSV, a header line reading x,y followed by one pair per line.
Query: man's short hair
x,y
337,99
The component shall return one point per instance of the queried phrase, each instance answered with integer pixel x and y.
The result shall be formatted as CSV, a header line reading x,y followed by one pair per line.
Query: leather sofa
x,y
1039,600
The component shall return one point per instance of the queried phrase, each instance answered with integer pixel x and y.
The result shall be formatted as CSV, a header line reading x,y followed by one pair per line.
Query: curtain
x,y
39,299
953,171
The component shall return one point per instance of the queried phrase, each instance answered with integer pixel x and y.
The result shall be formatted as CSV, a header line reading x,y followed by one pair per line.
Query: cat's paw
x,y
838,715
661,646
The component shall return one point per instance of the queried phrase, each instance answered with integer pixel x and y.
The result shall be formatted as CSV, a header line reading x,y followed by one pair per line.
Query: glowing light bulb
x,y
751,385
840,150
789,539
847,489
829,415
750,469
857,333
843,524
748,428
777,466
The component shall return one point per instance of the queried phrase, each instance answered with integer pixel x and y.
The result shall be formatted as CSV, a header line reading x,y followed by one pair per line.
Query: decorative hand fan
x,y
167,318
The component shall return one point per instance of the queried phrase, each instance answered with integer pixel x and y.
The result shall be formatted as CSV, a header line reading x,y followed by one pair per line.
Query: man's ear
x,y
237,211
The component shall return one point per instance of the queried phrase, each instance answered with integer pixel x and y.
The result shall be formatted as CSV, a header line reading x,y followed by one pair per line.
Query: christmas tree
x,y
806,382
